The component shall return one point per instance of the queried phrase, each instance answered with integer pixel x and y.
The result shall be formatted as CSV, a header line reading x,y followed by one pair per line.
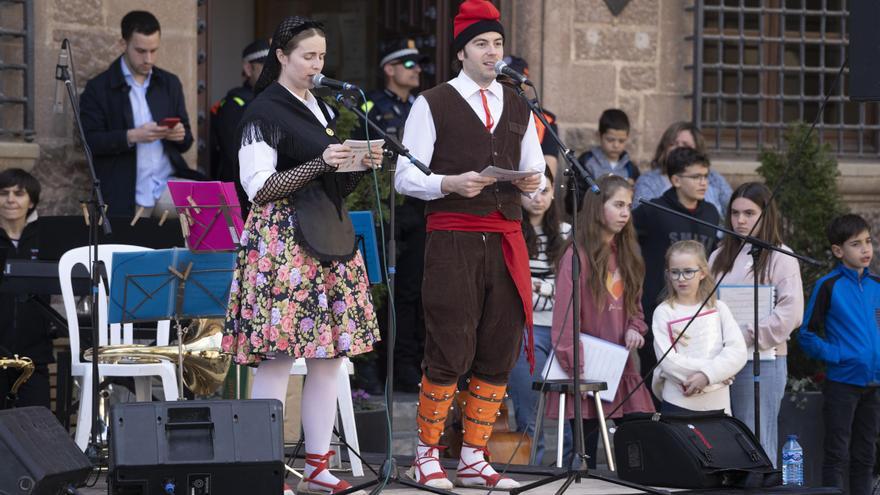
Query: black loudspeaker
x,y
37,456
864,50
210,447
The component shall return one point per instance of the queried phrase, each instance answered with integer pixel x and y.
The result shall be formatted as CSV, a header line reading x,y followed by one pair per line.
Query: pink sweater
x,y
609,322
784,274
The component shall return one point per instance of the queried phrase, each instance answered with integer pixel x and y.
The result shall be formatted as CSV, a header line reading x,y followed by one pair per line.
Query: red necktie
x,y
489,121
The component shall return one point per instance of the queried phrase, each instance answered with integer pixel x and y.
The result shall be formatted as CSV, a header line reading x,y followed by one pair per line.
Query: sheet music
x,y
603,362
741,301
503,174
360,149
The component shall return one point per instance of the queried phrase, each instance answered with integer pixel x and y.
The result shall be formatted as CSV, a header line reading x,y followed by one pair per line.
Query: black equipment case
x,y
691,450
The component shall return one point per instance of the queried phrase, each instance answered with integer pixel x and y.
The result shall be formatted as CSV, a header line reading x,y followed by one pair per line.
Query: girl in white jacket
x,y
697,372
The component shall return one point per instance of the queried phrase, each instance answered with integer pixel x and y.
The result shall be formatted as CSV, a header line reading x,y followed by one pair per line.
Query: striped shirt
x,y
544,277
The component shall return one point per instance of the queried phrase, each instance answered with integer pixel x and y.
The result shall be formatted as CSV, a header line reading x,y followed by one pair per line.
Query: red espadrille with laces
x,y
426,468
474,471
311,485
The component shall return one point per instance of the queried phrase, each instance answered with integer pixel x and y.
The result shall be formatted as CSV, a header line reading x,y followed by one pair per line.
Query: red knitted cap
x,y
474,17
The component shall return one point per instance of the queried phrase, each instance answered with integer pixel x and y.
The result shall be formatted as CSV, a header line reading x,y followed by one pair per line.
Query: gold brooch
x,y
330,131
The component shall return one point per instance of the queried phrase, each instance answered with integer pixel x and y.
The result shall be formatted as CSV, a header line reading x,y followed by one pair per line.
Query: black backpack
x,y
692,450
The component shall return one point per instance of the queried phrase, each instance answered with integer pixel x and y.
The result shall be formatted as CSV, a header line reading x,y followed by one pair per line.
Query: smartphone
x,y
169,122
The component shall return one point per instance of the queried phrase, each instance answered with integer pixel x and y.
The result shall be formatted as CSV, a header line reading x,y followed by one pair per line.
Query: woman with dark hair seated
x,y
24,328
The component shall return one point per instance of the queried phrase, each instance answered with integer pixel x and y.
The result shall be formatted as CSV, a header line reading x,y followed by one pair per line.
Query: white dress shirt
x,y
257,160
419,136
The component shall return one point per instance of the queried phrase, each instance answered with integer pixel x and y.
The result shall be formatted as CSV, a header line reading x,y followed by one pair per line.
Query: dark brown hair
x,y
768,230
549,225
668,139
591,221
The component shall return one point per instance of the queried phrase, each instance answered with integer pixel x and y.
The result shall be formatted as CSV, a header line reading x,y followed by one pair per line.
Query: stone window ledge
x,y
858,181
20,155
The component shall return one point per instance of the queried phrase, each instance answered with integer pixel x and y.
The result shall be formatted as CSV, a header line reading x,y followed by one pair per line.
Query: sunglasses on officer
x,y
407,64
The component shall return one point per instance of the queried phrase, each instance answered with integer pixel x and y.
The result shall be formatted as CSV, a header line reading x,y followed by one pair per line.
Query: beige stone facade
x,y
585,60
582,58
94,31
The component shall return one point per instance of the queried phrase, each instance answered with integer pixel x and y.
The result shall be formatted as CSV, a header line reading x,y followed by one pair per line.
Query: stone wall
x,y
585,60
94,32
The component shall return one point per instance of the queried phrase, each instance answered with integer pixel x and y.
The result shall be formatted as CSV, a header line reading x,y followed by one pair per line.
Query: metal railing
x,y
21,100
760,65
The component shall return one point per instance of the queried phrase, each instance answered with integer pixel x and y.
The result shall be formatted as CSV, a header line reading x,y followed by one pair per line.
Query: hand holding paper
x,y
360,155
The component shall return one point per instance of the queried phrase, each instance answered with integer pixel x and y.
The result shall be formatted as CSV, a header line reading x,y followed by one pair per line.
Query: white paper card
x,y
741,301
603,362
359,149
504,174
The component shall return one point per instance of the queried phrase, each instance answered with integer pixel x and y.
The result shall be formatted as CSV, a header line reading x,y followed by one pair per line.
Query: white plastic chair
x,y
346,412
108,334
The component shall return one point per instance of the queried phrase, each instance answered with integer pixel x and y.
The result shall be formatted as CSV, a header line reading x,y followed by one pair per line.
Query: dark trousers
x,y
474,317
852,423
33,392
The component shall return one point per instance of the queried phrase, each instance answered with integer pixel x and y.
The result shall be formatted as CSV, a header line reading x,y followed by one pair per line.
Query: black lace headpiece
x,y
289,27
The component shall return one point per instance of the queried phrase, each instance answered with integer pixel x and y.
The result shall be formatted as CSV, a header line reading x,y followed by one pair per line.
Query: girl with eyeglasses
x,y
697,372
732,258
611,308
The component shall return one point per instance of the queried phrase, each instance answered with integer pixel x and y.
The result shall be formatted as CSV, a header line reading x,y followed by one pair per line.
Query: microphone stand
x,y
96,216
388,471
757,246
578,177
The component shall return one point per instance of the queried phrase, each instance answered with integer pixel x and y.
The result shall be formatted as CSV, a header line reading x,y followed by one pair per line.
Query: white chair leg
x,y
168,375
143,388
560,431
84,416
346,410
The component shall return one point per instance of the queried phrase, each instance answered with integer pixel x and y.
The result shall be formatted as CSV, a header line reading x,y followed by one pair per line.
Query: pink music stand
x,y
210,215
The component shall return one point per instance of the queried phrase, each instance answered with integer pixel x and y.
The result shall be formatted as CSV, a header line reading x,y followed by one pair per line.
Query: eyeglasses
x,y
686,274
696,177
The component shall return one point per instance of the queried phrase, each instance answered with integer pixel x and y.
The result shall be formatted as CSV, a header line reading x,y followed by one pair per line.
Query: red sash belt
x,y
516,257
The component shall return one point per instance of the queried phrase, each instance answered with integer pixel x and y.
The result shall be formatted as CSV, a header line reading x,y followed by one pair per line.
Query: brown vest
x,y
464,145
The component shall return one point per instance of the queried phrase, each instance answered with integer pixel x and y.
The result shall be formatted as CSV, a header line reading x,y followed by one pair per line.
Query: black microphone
x,y
503,69
60,78
320,80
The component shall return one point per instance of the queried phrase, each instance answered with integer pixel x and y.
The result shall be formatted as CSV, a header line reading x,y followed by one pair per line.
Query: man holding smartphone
x,y
135,121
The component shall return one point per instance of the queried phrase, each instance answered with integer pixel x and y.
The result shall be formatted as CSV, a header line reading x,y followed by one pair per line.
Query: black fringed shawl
x,y
282,121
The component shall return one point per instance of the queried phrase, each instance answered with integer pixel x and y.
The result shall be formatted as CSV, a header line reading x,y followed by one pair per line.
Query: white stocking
x,y
270,380
319,410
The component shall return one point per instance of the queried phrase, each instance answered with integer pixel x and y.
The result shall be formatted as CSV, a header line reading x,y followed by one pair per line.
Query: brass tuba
x,y
204,365
24,364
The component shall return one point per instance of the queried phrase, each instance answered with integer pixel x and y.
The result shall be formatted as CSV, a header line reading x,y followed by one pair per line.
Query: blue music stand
x,y
170,284
365,235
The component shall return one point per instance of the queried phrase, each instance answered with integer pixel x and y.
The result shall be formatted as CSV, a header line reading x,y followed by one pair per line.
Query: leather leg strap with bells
x,y
434,404
480,411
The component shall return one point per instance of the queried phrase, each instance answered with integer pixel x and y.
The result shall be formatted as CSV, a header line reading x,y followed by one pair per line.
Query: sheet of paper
x,y
360,149
504,174
603,362
741,301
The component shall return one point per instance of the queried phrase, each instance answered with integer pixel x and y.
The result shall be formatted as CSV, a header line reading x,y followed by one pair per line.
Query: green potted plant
x,y
809,200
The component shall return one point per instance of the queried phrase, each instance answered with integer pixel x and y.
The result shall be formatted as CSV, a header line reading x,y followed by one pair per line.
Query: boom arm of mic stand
x,y
573,164
745,238
392,143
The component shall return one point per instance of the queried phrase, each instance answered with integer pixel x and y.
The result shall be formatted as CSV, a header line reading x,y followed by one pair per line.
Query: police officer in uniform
x,y
225,115
401,65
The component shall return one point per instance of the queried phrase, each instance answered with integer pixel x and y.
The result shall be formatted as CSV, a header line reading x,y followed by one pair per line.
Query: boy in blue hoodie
x,y
846,305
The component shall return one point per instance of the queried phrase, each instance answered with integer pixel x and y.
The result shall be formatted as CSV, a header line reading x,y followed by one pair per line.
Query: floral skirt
x,y
284,301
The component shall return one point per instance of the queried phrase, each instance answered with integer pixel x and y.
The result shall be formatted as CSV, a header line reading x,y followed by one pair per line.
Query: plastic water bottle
x,y
792,462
